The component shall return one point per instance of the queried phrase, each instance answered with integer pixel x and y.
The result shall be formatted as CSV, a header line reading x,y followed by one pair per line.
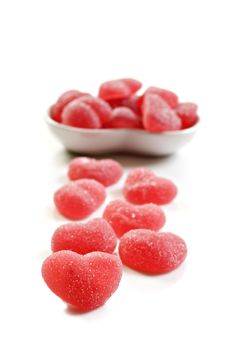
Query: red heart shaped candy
x,y
95,235
83,281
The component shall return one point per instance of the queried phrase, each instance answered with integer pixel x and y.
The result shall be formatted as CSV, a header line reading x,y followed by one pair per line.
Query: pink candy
x,y
64,100
99,106
158,116
142,186
166,95
123,216
83,270
80,115
84,282
106,171
86,112
79,198
117,89
188,114
124,117
118,106
95,235
132,102
152,252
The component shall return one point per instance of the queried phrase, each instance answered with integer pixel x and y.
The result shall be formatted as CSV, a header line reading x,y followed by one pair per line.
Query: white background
x,y
50,46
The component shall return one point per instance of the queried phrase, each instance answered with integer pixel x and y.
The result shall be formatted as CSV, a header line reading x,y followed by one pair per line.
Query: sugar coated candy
x,y
143,186
95,235
124,118
63,100
188,114
118,89
106,171
123,216
133,102
158,116
100,107
152,252
166,95
80,115
79,198
83,281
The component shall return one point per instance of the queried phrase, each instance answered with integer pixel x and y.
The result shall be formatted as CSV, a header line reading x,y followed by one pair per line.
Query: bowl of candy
x,y
120,119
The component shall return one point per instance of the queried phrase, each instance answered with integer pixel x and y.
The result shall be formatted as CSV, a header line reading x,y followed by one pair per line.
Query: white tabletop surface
x,y
50,46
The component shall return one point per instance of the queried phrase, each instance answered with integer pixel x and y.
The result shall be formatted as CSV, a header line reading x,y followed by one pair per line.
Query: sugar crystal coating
x,y
118,89
188,114
101,108
80,115
133,102
152,252
143,186
124,118
83,281
95,235
106,171
123,216
63,100
79,198
166,95
158,116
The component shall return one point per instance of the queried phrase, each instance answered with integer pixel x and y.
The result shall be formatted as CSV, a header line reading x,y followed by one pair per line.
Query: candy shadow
x,y
176,161
44,254
61,179
150,283
124,158
52,213
92,314
133,160
63,157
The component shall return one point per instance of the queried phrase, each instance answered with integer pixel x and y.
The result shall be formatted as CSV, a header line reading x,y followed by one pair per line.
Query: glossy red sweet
x,y
158,116
68,96
95,235
124,118
118,89
106,171
133,102
152,252
188,114
78,199
123,216
80,115
143,186
84,281
170,97
100,107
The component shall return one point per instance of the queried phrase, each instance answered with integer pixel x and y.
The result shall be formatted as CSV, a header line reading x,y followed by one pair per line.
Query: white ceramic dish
x,y
100,141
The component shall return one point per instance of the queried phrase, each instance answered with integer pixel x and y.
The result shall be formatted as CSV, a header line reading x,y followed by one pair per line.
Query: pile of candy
x,y
83,269
118,106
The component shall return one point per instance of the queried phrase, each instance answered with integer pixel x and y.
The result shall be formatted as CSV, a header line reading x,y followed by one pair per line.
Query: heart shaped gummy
x,y
166,95
106,171
143,186
83,281
123,216
124,118
152,252
119,88
63,101
158,116
80,198
95,235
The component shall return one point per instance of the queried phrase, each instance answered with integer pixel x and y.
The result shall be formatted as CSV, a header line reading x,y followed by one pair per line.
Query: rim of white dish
x,y
192,129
